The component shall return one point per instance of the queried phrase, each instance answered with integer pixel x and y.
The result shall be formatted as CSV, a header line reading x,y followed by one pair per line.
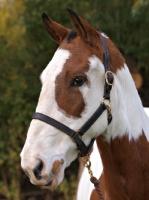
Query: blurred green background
x,y
25,50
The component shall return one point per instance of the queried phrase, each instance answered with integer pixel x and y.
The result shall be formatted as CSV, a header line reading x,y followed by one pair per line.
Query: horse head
x,y
72,89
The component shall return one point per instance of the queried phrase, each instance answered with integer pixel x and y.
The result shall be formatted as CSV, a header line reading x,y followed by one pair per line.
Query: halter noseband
x,y
77,135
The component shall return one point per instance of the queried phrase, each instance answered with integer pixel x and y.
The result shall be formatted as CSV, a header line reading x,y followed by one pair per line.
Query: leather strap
x,y
92,119
105,54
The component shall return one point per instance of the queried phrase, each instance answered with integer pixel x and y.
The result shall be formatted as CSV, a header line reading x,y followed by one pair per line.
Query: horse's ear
x,y
57,31
84,30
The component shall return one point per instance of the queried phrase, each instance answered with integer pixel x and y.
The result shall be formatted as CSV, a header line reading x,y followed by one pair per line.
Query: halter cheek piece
x,y
77,135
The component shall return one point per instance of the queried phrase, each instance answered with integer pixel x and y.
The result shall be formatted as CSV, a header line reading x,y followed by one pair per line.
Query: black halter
x,y
77,135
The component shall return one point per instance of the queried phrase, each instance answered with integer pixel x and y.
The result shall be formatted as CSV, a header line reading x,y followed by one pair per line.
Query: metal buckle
x,y
106,77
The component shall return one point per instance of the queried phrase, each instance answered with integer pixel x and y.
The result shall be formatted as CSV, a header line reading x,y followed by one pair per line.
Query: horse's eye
x,y
78,81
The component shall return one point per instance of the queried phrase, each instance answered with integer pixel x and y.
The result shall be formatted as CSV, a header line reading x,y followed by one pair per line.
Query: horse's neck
x,y
129,117
124,148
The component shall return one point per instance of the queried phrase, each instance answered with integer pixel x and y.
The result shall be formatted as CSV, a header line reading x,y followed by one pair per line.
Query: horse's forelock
x,y
73,34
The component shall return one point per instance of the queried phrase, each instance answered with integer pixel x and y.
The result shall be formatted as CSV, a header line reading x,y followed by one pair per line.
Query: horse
x,y
87,84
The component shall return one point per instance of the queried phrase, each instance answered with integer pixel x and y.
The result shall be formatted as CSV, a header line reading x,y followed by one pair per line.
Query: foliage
x,y
25,51
11,98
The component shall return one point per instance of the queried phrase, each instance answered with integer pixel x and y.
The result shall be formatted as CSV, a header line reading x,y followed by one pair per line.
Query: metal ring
x,y
106,77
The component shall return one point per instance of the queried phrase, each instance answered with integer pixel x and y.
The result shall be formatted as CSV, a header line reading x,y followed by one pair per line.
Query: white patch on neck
x,y
128,113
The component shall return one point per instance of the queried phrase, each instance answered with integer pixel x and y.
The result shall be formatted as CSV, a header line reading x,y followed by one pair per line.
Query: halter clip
x,y
87,162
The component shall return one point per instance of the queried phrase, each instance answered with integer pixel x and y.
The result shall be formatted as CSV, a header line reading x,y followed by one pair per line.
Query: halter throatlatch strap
x,y
76,135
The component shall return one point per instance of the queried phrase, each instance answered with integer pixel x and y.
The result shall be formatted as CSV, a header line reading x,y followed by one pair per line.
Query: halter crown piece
x,y
76,135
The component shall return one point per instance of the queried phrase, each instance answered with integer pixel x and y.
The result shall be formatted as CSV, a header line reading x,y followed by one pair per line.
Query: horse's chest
x,y
126,169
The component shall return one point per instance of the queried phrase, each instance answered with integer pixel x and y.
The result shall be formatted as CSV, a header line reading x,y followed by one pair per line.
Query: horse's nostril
x,y
37,171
